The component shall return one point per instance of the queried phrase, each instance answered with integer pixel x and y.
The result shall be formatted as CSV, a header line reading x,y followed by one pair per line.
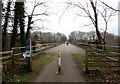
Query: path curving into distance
x,y
69,68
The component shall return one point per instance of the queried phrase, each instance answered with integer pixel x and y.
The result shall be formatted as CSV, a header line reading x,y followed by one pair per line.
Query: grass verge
x,y
37,65
19,72
79,59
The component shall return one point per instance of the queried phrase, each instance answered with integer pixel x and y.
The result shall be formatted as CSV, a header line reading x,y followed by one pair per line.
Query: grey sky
x,y
70,21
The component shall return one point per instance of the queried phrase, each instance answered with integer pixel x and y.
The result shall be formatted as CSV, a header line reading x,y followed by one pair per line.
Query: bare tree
x,y
78,36
48,37
93,17
30,17
106,14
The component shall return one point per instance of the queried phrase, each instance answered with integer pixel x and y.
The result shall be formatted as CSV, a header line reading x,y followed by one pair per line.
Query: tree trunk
x,y
29,27
22,36
14,31
21,20
105,36
4,34
19,17
0,36
96,23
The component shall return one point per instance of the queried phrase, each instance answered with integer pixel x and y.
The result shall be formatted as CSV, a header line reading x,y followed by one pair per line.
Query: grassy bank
x,y
19,73
37,65
79,59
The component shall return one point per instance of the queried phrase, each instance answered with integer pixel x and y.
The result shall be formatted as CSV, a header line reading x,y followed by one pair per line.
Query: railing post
x,y
119,54
12,54
86,66
92,48
30,58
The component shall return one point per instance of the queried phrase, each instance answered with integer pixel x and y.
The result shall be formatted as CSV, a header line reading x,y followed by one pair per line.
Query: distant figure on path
x,y
66,43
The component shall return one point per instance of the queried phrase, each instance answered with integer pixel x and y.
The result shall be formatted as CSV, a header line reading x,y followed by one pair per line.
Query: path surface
x,y
70,71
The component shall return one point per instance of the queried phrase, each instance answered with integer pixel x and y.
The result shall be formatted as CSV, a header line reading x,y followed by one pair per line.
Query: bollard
x,y
59,62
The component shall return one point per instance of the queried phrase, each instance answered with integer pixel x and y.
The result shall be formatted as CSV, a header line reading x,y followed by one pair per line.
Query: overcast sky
x,y
69,21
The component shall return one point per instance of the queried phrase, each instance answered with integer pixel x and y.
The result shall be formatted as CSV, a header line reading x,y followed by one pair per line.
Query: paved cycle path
x,y
69,68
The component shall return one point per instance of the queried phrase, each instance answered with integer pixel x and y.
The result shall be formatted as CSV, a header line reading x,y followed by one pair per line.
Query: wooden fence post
x,y
28,64
86,66
12,54
119,49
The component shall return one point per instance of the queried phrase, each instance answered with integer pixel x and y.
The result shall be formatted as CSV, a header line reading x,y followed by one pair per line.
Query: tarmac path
x,y
69,68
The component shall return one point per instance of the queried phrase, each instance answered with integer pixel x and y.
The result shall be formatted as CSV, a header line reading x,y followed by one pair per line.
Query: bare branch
x,y
30,17
87,25
64,11
109,6
79,5
45,13
38,20
82,15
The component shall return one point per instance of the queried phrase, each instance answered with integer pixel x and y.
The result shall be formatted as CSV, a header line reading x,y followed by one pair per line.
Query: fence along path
x,y
9,57
101,58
